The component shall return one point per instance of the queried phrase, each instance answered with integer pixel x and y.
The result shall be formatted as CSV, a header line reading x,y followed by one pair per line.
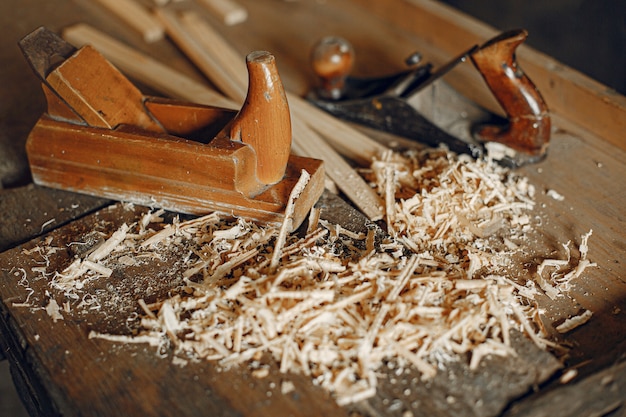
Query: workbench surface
x,y
60,371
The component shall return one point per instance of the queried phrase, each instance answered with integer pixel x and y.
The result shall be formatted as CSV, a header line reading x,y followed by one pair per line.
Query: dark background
x,y
588,35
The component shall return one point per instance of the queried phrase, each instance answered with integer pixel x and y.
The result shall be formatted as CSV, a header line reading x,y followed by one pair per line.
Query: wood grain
x,y
75,375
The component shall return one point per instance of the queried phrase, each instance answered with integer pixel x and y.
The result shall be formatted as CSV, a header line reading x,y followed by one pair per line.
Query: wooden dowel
x,y
143,68
206,61
191,32
228,12
137,17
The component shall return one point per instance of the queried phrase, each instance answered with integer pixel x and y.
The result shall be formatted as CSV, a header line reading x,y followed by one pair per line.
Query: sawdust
x,y
333,304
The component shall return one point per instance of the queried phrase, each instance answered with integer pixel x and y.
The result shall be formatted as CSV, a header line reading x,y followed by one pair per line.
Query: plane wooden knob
x,y
264,121
332,61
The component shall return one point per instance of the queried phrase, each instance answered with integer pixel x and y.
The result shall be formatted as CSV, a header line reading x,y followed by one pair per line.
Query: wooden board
x,y
66,373
70,374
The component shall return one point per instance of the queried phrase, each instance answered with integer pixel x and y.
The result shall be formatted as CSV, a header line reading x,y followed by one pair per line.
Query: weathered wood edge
x,y
579,99
27,381
600,394
41,209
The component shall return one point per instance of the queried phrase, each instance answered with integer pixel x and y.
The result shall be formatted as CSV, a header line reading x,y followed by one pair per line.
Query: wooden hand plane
x,y
388,103
101,136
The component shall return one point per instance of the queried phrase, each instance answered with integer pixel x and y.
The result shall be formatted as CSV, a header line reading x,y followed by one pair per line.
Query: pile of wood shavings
x,y
335,305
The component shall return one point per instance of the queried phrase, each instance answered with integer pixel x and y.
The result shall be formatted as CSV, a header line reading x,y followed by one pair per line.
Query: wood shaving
x,y
574,322
288,223
563,272
53,310
555,195
335,305
287,387
568,376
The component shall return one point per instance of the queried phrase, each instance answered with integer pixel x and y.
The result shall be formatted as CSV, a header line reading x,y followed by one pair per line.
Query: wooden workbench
x,y
60,371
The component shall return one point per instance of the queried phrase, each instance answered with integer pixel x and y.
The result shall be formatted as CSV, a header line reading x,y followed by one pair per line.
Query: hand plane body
x,y
394,103
101,136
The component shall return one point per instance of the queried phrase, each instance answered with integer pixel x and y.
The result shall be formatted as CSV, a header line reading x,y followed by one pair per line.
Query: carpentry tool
x,y
213,55
388,103
101,136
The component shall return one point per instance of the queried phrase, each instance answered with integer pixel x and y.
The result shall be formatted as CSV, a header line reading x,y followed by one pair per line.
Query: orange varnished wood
x,y
58,108
183,119
167,171
102,137
528,130
99,93
264,121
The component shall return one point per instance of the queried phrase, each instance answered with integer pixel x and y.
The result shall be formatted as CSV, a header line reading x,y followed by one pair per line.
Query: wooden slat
x,y
568,93
228,12
137,17
230,81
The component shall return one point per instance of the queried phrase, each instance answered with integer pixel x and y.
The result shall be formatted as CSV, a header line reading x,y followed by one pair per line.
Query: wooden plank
x,y
103,372
41,209
602,394
579,99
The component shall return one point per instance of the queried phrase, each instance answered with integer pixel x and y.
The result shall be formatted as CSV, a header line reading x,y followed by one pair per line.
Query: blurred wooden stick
x,y
137,17
210,64
228,12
